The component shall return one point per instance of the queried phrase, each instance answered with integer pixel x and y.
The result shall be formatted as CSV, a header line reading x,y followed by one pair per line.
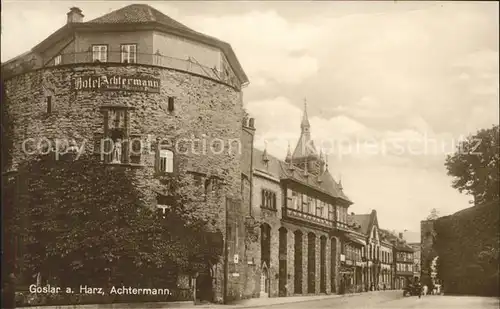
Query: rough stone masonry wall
x,y
202,106
461,240
427,253
273,219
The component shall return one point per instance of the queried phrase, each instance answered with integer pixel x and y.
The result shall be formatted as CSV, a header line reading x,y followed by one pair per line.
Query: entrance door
x,y
264,282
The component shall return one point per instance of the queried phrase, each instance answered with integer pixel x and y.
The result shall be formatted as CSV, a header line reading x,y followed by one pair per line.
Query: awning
x,y
354,240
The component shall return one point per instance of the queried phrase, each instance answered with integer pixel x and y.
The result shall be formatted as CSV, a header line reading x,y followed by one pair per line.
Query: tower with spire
x,y
305,155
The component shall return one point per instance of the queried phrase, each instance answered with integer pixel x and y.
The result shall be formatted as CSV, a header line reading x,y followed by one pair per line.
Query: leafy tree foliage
x,y
84,223
474,166
433,215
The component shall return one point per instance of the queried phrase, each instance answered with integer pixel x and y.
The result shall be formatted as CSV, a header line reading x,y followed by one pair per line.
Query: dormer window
x,y
99,53
129,53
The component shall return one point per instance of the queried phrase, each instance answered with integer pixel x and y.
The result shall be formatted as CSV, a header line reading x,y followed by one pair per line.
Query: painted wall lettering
x,y
116,83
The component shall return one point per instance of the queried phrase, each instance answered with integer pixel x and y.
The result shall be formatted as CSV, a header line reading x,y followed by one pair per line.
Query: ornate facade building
x,y
303,215
149,87
367,225
403,260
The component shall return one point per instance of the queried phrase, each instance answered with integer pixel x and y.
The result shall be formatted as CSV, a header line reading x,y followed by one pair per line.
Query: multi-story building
x,y
137,75
404,262
303,214
352,263
387,260
367,225
416,259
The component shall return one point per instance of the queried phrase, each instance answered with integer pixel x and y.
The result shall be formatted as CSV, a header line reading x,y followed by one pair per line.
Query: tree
x,y
474,166
83,223
433,215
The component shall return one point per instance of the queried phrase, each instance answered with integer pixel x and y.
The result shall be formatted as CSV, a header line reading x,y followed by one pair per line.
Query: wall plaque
x,y
116,83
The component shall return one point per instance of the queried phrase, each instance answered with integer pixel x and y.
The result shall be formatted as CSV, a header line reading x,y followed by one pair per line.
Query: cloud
x,y
401,187
394,74
268,46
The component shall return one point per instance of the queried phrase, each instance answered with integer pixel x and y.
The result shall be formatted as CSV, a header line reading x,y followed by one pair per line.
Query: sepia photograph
x,y
250,154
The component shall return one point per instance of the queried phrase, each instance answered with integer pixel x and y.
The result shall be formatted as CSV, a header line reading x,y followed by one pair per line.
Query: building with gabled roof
x,y
378,271
403,259
303,213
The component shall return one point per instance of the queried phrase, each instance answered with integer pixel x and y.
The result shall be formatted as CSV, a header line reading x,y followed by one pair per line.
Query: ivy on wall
x,y
467,246
85,223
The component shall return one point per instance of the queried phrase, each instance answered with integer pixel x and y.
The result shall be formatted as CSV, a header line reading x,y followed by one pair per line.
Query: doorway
x,y
264,281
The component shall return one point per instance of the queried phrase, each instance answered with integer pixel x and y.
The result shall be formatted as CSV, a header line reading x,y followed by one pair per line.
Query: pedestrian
x,y
418,289
384,286
424,290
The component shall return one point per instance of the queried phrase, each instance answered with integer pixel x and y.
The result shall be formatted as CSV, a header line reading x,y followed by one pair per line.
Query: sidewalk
x,y
247,303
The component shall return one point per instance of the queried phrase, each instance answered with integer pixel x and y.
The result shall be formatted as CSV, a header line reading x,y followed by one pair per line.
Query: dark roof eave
x,y
225,47
316,188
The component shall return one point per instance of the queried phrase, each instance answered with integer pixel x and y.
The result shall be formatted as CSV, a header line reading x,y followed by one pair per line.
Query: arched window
x,y
166,161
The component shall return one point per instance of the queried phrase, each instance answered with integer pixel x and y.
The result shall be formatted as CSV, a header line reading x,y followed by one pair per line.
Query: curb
x,y
296,302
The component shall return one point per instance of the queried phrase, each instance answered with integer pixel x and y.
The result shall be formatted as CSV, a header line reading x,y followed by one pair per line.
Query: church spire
x,y
305,126
321,162
288,154
264,154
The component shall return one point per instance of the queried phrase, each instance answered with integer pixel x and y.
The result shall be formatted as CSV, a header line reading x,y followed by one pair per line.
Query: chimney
x,y
401,235
75,15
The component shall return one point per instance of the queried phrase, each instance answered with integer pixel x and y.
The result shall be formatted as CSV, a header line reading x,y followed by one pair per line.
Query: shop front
x,y
351,277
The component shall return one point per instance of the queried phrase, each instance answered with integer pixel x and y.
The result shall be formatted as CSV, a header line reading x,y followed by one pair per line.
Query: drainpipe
x,y
251,177
226,253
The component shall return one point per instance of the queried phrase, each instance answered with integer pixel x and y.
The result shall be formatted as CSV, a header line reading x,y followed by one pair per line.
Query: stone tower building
x,y
427,252
140,91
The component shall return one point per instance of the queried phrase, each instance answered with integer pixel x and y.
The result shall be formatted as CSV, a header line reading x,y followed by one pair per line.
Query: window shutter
x,y
157,157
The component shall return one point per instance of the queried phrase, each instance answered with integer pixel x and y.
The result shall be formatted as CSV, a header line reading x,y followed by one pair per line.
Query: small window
x,y
198,180
100,53
170,104
268,199
129,53
49,104
166,161
57,60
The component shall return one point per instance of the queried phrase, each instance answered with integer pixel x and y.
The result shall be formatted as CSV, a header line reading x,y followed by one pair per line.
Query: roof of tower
x,y
137,17
305,146
139,13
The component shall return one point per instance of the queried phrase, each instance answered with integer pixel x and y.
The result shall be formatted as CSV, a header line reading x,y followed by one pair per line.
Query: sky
x,y
391,87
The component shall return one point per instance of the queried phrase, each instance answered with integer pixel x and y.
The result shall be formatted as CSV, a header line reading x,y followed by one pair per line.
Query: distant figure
x,y
384,286
418,289
424,290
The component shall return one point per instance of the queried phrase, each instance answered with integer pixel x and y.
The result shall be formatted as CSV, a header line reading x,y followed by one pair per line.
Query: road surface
x,y
395,299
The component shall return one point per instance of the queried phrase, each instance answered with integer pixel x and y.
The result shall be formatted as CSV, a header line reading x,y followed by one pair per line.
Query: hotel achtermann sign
x,y
116,83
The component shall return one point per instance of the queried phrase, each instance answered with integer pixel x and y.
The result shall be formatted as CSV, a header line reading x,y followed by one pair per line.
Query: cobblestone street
x,y
395,299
